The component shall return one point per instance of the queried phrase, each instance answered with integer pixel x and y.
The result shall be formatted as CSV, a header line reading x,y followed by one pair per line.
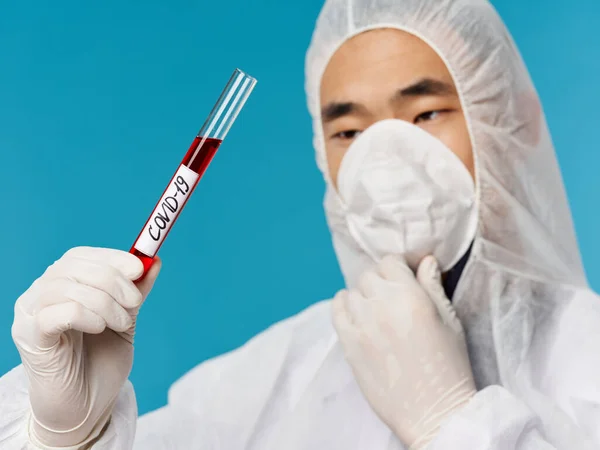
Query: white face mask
x,y
403,192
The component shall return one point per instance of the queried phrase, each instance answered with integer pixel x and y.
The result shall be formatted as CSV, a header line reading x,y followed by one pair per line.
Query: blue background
x,y
98,103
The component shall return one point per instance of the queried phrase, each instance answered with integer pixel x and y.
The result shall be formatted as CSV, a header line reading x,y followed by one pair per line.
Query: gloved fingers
x,y
343,321
27,301
402,284
126,263
430,278
394,268
56,319
99,275
385,279
359,308
145,286
429,275
370,284
62,290
378,292
350,309
341,317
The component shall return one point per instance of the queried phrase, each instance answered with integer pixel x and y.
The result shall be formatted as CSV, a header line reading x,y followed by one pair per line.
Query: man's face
x,y
383,74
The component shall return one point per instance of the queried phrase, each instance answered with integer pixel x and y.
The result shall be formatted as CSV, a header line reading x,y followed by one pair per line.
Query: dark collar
x,y
452,277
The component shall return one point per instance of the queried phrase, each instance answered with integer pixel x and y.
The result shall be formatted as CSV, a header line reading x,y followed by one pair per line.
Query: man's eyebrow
x,y
424,87
333,111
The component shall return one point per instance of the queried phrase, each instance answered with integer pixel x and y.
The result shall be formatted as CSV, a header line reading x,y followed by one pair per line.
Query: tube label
x,y
166,211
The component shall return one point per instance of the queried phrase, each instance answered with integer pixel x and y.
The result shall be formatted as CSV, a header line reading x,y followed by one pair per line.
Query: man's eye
x,y
429,115
348,134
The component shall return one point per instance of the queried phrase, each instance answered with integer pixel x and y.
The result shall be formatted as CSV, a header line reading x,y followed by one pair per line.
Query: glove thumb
x,y
430,279
146,283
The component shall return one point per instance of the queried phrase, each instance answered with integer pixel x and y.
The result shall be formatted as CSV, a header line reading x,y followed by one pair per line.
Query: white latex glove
x,y
406,348
74,330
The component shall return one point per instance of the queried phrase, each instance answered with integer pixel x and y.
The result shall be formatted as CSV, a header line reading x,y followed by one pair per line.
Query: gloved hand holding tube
x,y
74,330
74,326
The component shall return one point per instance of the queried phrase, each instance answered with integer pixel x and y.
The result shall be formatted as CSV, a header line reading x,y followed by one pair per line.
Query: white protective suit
x,y
532,324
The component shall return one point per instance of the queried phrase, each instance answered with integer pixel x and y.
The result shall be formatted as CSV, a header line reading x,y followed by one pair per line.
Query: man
x,y
432,141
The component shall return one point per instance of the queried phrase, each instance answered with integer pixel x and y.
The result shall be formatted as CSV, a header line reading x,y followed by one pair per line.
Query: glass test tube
x,y
193,166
